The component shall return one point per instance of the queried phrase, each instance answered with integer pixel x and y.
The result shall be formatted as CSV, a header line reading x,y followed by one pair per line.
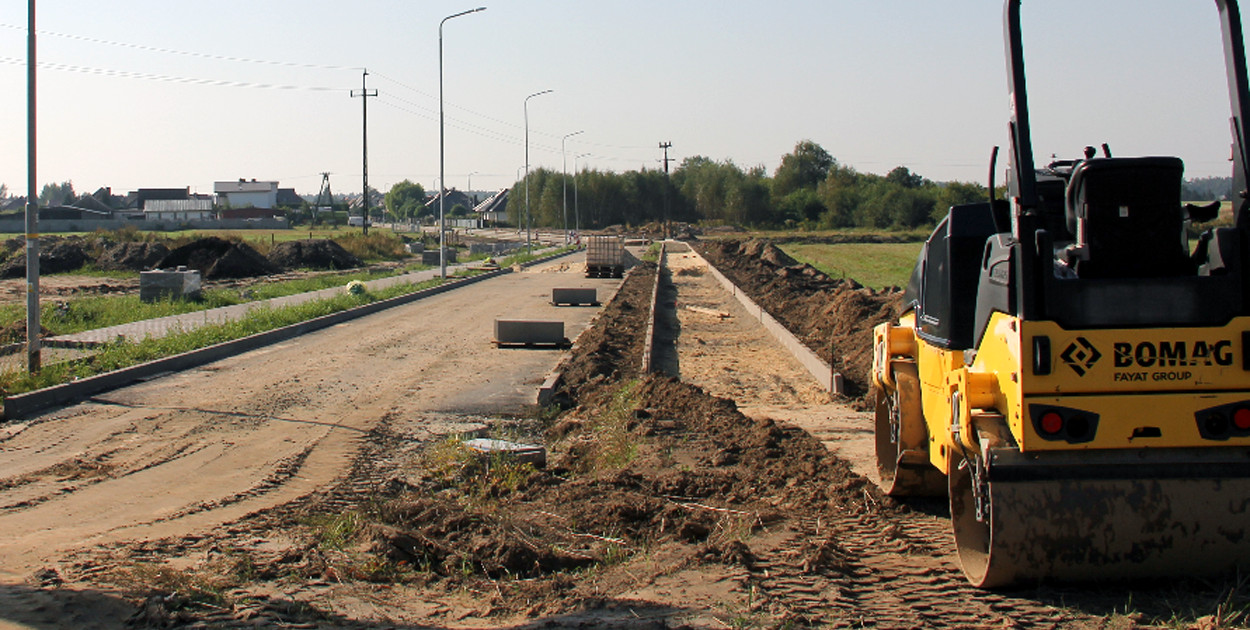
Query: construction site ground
x,y
313,484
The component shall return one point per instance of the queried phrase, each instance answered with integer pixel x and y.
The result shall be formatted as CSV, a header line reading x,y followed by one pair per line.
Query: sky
x,y
158,94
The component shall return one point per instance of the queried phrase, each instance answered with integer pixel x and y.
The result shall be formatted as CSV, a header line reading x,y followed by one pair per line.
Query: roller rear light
x,y
1073,426
1225,421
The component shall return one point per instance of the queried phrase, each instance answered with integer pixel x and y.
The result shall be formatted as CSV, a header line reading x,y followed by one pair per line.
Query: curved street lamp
x,y
564,165
529,247
442,175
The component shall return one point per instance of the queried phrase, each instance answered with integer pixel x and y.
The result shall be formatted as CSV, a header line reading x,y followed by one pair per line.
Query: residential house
x,y
454,198
199,208
287,198
244,193
494,210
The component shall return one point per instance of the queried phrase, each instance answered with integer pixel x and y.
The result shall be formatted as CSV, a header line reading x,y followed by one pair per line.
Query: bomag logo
x,y
1174,354
1080,355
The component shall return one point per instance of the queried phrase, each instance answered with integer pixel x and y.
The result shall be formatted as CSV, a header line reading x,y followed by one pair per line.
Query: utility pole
x,y
364,95
665,146
32,206
324,192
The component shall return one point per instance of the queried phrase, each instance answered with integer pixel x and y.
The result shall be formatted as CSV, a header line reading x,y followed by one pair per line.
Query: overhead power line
x,y
146,76
185,53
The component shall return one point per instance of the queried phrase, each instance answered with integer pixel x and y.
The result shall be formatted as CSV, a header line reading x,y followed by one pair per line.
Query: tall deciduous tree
x,y
405,201
805,167
57,194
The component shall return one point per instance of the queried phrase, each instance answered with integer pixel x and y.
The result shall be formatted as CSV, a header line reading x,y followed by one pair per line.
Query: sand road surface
x,y
191,451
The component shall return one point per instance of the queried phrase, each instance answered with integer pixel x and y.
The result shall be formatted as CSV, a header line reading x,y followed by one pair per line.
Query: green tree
x,y
405,201
704,186
802,205
902,176
805,167
537,180
57,194
841,193
747,202
956,194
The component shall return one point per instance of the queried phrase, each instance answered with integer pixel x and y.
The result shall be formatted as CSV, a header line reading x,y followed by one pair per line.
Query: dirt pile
x,y
832,317
312,254
55,256
648,476
131,255
218,258
602,353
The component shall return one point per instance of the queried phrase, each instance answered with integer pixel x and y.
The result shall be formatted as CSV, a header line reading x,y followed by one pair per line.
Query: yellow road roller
x,y
1073,370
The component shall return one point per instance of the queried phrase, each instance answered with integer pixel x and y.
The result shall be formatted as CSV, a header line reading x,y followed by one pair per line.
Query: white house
x,y
244,193
178,209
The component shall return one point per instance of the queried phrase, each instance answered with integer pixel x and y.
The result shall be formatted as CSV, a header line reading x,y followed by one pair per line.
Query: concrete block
x,y
161,284
431,257
574,295
547,390
525,453
529,332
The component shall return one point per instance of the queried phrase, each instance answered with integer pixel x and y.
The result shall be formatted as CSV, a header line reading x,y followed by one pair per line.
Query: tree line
x,y
809,189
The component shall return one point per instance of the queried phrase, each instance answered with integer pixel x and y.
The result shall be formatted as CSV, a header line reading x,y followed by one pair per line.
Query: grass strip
x,y
875,265
92,312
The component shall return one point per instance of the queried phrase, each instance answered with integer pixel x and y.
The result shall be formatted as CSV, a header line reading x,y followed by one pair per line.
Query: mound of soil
x,y
218,258
55,256
602,353
834,318
312,254
700,482
131,256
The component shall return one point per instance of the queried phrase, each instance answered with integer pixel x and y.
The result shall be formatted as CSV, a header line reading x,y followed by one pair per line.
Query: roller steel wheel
x,y
900,427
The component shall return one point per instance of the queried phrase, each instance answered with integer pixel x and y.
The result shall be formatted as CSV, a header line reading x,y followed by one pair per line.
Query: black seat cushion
x,y
1133,223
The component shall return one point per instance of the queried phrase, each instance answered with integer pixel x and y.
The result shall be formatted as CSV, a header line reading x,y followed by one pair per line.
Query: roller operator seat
x,y
1127,218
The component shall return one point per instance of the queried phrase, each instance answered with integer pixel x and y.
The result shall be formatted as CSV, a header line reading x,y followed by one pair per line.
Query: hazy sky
x,y
153,93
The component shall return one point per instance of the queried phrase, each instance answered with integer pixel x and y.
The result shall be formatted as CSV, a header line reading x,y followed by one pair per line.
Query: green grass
x,y
88,313
521,258
875,265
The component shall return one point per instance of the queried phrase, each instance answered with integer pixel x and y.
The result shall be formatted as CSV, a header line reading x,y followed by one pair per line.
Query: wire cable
x,y
164,78
171,51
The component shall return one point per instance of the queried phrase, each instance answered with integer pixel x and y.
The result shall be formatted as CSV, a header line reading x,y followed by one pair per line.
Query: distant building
x,y
72,213
288,199
244,193
13,204
178,209
494,210
138,199
454,198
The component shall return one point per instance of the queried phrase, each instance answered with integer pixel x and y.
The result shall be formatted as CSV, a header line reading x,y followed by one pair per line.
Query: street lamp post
x,y
442,175
529,246
564,166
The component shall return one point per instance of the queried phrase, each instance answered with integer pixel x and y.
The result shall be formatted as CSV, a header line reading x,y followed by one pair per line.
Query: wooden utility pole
x,y
665,146
32,206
